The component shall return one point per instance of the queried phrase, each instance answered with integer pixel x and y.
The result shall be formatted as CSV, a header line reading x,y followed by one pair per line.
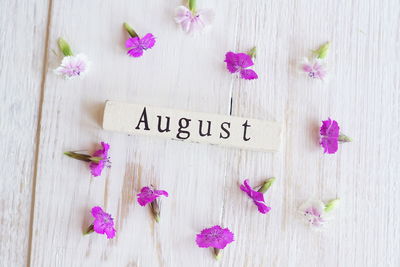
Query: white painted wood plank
x,y
22,41
187,73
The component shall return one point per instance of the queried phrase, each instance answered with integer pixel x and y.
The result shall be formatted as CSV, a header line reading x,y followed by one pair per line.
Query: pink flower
x,y
314,69
97,167
257,197
329,136
137,45
214,237
97,161
147,195
193,21
238,63
103,223
73,66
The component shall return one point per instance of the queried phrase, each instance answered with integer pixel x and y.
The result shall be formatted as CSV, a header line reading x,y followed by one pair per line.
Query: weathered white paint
x,y
188,73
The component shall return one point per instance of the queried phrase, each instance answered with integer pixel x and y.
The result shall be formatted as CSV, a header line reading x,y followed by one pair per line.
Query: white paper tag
x,y
190,126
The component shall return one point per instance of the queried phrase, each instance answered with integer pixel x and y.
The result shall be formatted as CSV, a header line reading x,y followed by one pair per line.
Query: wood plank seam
x,y
38,131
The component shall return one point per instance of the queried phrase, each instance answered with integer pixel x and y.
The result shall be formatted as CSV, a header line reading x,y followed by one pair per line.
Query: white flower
x,y
193,21
73,66
314,68
314,214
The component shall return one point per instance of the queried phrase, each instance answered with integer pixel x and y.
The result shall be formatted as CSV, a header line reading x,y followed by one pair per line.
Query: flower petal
x,y
132,42
97,211
110,232
262,207
147,41
248,74
231,60
135,52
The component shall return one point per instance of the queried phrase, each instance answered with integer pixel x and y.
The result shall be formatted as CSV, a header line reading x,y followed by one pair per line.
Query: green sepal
x,y
78,156
322,51
217,253
192,5
253,52
267,184
89,230
344,139
130,30
64,47
331,205
155,210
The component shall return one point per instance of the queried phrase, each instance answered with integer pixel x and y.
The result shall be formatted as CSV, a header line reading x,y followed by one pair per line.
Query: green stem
x,y
192,5
129,29
267,184
64,47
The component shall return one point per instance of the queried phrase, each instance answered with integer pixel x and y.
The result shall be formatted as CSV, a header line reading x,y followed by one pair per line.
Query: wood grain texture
x,y
185,72
23,27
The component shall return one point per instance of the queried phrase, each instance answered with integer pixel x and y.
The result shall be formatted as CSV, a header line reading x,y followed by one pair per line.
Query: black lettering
x,y
187,133
225,130
143,118
208,129
166,129
245,125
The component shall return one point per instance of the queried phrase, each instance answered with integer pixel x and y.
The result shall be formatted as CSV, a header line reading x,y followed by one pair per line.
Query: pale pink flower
x,y
73,66
314,68
193,21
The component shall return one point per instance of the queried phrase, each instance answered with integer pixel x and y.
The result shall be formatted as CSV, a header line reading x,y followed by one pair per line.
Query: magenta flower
x,y
314,69
103,223
97,167
192,20
137,45
148,195
238,63
256,196
214,237
97,161
329,136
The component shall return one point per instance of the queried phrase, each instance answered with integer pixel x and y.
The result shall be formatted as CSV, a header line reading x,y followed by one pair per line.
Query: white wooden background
x,y
46,197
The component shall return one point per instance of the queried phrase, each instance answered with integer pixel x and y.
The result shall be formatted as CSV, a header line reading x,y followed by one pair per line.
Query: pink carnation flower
x,y
214,237
193,21
103,222
239,63
314,69
313,212
73,66
329,136
137,45
97,167
97,161
147,195
257,197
